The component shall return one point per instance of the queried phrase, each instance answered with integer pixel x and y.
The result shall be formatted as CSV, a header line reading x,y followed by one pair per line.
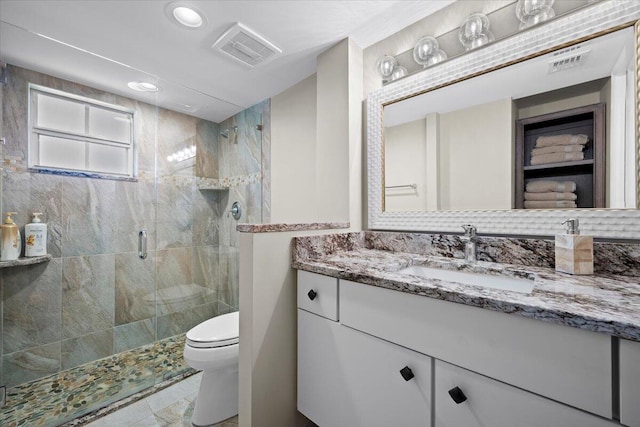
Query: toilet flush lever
x,y
142,244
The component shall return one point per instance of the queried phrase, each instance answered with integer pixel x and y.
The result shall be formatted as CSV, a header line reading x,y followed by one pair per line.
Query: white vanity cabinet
x,y
565,364
630,383
470,367
483,402
348,378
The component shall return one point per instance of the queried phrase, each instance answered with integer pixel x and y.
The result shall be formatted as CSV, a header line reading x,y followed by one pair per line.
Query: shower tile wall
x,y
97,297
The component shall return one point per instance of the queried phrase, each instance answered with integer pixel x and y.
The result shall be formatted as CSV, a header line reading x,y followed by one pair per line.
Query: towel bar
x,y
414,186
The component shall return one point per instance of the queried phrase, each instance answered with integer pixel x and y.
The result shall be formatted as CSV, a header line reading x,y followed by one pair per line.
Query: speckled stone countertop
x,y
604,302
281,228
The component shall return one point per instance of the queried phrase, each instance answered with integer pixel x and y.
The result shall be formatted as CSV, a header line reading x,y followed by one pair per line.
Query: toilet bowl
x,y
212,347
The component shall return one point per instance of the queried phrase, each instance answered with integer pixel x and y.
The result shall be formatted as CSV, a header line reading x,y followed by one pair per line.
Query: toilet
x,y
212,347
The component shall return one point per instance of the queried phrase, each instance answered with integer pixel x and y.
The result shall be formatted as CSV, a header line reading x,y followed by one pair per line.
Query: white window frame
x,y
36,131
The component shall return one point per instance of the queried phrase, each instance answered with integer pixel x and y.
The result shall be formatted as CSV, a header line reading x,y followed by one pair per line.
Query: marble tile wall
x,y
97,297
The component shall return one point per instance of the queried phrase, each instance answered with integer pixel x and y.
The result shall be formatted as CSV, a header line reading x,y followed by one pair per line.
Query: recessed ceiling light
x,y
143,86
187,16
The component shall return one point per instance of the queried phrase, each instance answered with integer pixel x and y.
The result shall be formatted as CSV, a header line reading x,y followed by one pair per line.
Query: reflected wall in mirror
x,y
469,145
435,191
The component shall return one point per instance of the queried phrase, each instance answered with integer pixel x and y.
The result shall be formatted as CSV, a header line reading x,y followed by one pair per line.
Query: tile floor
x,y
170,407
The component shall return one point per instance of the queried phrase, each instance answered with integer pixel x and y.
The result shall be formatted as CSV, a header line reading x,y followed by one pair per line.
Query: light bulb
x,y
427,52
398,73
533,12
474,31
386,65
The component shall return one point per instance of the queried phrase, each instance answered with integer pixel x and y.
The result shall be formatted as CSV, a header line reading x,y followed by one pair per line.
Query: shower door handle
x,y
142,244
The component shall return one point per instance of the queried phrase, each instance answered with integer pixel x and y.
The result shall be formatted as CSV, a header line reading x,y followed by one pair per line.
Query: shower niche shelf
x,y
26,261
207,187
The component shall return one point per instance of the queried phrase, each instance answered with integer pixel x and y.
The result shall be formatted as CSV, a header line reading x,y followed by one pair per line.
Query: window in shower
x,y
78,135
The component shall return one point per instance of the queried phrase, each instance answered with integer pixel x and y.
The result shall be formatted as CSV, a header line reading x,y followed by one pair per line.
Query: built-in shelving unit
x,y
588,174
25,261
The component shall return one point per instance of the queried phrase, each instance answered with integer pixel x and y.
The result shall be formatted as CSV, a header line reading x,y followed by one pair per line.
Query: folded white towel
x,y
549,204
568,139
550,195
544,159
557,149
546,186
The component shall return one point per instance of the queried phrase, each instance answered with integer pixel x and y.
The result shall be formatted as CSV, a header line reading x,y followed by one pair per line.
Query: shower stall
x,y
136,262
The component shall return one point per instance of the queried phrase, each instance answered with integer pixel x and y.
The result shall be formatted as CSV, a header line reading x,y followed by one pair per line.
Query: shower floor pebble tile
x,y
62,397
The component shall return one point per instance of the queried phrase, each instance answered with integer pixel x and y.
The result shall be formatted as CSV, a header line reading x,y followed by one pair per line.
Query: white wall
x,y
476,157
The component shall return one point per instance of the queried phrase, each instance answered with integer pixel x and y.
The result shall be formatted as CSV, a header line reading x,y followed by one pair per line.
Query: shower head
x,y
225,133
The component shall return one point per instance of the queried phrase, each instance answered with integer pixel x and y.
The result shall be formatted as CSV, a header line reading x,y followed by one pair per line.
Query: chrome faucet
x,y
470,247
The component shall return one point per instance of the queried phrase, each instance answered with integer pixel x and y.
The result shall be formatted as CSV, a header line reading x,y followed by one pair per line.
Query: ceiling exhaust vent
x,y
246,46
571,57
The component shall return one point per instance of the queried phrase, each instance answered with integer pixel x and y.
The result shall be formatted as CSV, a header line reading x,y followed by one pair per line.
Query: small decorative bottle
x,y
11,242
35,237
574,253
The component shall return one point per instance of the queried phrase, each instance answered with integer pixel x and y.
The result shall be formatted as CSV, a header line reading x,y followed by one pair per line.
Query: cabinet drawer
x,y
563,363
348,378
630,383
318,294
492,403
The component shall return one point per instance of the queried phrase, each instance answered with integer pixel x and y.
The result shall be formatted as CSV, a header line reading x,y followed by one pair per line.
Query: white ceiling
x,y
106,43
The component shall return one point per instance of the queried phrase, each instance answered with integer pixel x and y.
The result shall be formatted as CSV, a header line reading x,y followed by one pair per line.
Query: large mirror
x,y
480,138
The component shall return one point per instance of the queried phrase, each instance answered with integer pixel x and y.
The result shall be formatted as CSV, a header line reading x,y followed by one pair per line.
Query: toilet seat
x,y
219,331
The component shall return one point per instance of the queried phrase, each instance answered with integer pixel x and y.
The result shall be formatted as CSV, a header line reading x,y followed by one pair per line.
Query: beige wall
x,y
316,148
268,327
405,151
293,142
316,163
551,106
476,160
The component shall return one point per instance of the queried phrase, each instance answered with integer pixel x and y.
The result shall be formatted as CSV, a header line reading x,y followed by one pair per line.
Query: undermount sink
x,y
514,284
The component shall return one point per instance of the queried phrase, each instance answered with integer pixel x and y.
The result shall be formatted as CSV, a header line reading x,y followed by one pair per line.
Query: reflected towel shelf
x,y
559,165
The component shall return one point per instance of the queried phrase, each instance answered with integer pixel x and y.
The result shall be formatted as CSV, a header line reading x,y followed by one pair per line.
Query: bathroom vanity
x,y
381,347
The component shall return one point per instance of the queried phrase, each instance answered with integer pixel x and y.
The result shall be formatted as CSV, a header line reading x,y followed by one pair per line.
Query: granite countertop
x,y
284,227
604,303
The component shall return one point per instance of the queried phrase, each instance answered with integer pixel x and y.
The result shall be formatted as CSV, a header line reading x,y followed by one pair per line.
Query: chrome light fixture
x,y
427,51
533,12
385,67
474,31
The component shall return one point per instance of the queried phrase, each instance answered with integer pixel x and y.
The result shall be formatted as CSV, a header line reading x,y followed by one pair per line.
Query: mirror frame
x,y
586,23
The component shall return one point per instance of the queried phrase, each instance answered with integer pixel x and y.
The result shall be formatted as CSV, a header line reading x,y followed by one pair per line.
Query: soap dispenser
x,y
574,253
35,237
11,245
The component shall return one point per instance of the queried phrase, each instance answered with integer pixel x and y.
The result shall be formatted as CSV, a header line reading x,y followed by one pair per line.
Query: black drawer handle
x,y
312,294
406,373
457,395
